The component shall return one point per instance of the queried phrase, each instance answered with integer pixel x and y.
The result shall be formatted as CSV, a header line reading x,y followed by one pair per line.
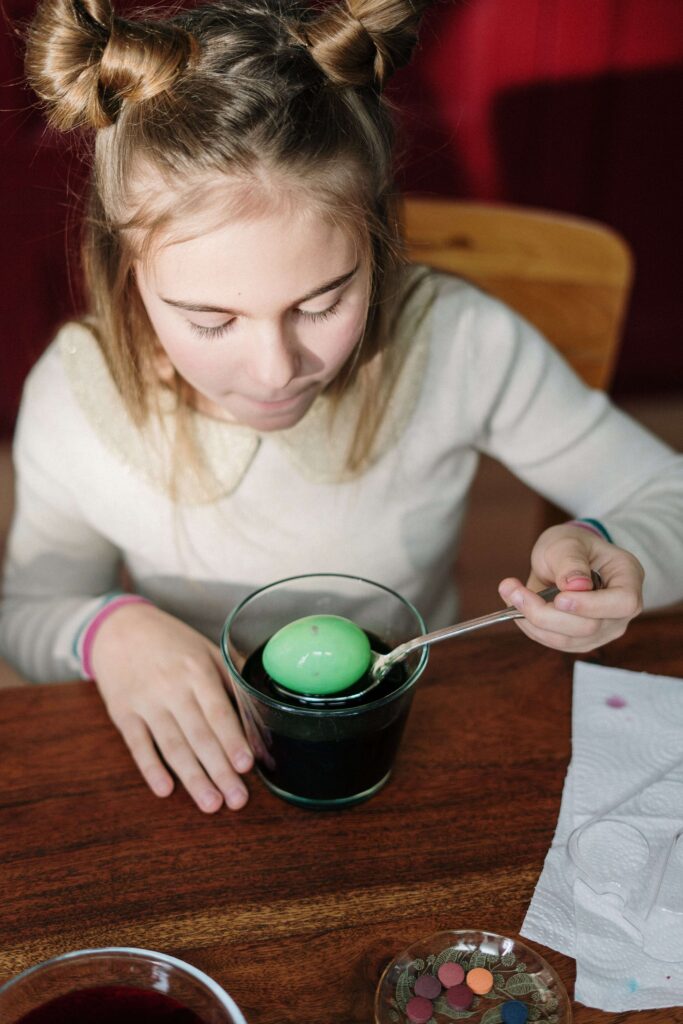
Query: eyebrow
x,y
201,307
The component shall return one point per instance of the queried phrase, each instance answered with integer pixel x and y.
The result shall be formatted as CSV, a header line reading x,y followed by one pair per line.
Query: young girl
x,y
263,388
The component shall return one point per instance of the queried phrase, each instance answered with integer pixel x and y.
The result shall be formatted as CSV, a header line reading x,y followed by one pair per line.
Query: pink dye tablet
x,y
459,997
419,1010
451,974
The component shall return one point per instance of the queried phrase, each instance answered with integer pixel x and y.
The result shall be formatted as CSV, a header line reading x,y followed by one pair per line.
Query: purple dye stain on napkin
x,y
616,701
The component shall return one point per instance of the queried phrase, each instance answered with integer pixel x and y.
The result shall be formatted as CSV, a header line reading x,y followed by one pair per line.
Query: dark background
x,y
571,105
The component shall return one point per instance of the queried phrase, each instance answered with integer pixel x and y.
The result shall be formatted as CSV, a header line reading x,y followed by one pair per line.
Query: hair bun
x,y
84,62
362,42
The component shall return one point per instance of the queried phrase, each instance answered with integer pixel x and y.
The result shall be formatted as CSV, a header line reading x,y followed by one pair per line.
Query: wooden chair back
x,y
568,276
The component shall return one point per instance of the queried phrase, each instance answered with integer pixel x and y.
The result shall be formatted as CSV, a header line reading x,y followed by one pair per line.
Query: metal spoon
x,y
382,663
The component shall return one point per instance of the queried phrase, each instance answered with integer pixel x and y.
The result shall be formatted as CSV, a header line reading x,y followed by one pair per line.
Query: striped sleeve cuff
x,y
85,636
594,525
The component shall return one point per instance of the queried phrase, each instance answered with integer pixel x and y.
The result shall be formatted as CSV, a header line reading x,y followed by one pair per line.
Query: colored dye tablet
x,y
419,1010
480,980
451,974
427,985
460,997
514,1012
317,655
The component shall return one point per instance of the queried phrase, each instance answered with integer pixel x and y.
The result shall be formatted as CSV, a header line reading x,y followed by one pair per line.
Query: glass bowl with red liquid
x,y
112,985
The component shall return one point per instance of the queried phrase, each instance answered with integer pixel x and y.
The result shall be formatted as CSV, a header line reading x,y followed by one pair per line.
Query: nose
x,y
275,357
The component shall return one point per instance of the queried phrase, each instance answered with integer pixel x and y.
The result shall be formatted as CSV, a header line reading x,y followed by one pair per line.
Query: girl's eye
x,y
323,314
216,332
210,332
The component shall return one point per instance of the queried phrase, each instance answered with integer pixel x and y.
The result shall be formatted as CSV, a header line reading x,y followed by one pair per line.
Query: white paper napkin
x,y
624,795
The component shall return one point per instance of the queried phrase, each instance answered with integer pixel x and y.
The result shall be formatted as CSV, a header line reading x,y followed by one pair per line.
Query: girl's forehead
x,y
155,209
233,220
290,235
286,253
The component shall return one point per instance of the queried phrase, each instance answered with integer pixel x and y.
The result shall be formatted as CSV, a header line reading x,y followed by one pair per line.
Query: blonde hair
x,y
263,91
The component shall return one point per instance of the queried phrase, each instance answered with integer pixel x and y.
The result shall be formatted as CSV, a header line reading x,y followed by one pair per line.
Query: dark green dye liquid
x,y
339,768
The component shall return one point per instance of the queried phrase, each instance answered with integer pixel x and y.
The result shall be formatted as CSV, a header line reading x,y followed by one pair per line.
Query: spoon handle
x,y
504,615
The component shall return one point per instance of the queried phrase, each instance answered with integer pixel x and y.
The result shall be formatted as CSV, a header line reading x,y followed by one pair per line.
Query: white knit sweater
x,y
91,489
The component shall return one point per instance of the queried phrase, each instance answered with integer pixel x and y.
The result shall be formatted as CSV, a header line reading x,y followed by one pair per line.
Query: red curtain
x,y
572,105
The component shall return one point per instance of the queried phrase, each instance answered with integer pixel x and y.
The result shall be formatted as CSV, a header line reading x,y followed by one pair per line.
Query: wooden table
x,y
297,912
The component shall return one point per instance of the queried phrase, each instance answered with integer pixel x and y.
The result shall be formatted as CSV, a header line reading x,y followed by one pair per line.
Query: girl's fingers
x,y
578,618
548,620
208,749
544,615
619,599
173,710
569,631
179,756
181,738
139,742
614,602
219,711
228,731
564,642
178,751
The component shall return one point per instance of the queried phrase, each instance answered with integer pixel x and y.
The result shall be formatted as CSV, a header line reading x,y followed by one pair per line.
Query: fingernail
x,y
577,574
565,604
237,797
210,800
243,761
517,598
161,785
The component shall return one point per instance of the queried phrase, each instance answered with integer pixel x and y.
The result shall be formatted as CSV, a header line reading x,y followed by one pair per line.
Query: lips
x,y
265,414
276,404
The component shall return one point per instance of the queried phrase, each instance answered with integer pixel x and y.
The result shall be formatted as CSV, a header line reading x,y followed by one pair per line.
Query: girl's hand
x,y
579,618
164,686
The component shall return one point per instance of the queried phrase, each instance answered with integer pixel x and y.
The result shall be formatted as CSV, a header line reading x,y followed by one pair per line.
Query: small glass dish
x,y
519,973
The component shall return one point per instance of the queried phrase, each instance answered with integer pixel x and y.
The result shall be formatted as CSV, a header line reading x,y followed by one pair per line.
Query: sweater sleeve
x,y
58,569
573,446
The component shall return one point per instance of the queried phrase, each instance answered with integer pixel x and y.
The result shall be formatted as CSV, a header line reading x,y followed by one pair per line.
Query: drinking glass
x,y
321,756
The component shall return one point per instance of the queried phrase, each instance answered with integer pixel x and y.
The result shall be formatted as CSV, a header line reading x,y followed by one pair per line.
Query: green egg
x,y
317,655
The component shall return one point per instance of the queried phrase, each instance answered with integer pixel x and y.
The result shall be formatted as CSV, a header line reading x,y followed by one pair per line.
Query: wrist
x,y
92,629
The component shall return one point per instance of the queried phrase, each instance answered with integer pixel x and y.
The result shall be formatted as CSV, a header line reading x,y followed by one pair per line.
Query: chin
x,y
269,424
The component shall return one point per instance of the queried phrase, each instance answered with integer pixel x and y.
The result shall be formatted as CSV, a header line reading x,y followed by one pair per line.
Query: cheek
x,y
185,351
344,339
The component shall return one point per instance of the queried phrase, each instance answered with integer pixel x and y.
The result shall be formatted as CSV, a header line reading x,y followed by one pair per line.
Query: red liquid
x,y
113,1004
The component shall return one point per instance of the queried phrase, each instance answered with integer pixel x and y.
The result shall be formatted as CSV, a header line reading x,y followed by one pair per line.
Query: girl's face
x,y
258,316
